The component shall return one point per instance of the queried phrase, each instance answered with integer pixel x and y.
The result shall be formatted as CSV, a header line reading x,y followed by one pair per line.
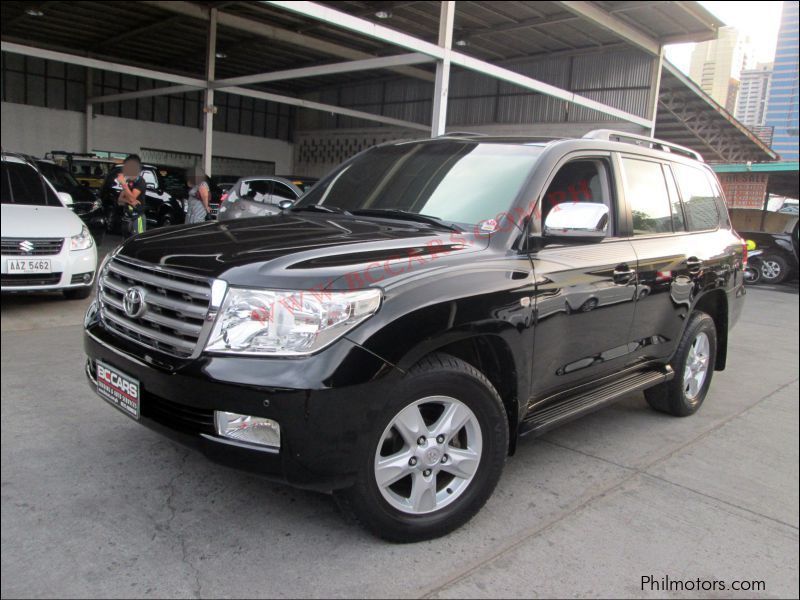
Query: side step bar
x,y
558,412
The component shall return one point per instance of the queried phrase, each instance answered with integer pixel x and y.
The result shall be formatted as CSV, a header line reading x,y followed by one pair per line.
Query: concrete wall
x,y
34,130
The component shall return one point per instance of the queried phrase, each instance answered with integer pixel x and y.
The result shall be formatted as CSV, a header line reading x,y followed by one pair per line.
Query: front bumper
x,y
65,266
323,428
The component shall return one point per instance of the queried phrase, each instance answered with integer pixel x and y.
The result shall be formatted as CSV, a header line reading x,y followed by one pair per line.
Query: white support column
x,y
89,114
209,109
442,84
655,89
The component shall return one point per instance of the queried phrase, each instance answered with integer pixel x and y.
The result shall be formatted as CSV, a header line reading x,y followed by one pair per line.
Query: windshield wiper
x,y
396,213
322,208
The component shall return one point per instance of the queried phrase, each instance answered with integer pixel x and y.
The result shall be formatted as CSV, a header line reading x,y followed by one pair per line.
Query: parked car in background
x,y
85,201
177,185
88,169
258,196
383,339
45,245
161,208
777,258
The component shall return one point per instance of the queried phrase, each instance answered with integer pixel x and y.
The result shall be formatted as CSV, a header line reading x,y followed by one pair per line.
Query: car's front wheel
x,y
774,269
435,455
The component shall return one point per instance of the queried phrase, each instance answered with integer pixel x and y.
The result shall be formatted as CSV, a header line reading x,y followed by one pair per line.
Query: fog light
x,y
247,428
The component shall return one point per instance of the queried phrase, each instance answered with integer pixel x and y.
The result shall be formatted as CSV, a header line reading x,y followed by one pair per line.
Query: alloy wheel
x,y
428,455
697,365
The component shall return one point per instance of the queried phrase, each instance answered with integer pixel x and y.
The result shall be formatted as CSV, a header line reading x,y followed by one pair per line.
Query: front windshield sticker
x,y
488,226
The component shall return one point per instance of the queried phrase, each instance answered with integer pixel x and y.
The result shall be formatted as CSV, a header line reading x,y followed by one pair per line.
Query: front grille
x,y
175,305
177,416
32,246
29,279
213,209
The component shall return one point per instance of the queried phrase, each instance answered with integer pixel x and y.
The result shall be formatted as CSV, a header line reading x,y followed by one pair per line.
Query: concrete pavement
x,y
95,505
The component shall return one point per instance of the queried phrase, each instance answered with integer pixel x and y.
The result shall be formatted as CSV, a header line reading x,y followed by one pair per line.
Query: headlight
x,y
82,241
287,323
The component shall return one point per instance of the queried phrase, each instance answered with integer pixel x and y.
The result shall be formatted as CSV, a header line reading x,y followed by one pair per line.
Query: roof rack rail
x,y
642,140
462,134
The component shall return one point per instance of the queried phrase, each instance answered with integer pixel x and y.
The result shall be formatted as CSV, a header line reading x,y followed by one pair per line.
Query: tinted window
x,y
459,181
23,185
283,191
646,191
578,181
699,202
61,179
256,189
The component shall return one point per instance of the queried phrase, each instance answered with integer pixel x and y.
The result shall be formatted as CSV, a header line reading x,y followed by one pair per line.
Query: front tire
x,y
434,456
694,366
774,269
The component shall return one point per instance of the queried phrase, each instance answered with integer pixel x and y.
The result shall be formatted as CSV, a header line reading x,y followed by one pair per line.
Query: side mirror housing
x,y
285,204
66,199
577,222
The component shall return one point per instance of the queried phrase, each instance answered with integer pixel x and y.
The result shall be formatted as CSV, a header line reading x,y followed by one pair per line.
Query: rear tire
x,y
694,366
452,407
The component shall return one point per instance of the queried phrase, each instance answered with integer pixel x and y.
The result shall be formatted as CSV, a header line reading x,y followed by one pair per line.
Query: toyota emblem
x,y
134,303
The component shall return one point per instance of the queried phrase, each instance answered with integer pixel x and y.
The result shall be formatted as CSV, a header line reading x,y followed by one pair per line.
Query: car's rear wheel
x,y
694,366
774,269
434,456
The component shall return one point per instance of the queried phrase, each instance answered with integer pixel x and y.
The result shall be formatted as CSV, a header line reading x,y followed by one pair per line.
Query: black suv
x,y
161,208
392,335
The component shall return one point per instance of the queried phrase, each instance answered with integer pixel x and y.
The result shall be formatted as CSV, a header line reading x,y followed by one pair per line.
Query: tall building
x,y
753,89
717,64
782,102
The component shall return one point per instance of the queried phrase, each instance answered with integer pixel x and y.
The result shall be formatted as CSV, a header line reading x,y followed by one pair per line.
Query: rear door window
x,y
698,197
647,195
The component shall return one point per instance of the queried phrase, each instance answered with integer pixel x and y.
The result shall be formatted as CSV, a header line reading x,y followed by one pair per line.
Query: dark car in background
x,y
85,201
161,207
259,196
778,258
176,183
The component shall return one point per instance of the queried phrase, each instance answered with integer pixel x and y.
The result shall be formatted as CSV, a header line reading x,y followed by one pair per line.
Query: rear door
x,y
585,292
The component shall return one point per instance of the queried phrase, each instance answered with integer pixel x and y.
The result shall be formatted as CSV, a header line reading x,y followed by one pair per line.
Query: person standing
x,y
132,195
199,197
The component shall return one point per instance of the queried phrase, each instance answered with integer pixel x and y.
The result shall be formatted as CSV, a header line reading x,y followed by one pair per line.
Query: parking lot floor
x,y
95,505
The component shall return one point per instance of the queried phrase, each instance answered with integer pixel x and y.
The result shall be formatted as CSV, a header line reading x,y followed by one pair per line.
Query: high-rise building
x,y
717,64
782,101
753,89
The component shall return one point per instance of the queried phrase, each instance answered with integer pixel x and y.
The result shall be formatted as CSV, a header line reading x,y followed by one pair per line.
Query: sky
x,y
758,20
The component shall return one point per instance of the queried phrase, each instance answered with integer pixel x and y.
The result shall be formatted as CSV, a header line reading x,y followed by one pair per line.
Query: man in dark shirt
x,y
133,192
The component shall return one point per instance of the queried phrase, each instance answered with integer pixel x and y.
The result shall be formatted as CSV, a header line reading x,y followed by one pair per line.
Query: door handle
x,y
623,274
694,264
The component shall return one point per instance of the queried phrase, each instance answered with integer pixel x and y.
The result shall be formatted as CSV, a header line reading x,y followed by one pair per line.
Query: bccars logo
x,y
117,382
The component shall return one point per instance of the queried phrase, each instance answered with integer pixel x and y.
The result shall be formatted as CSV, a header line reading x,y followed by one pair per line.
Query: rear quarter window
x,y
699,198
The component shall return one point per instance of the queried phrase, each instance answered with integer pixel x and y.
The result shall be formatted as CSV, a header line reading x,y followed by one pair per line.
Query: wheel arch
x,y
715,304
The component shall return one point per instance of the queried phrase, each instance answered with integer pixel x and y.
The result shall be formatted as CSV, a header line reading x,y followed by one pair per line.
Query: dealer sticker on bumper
x,y
119,389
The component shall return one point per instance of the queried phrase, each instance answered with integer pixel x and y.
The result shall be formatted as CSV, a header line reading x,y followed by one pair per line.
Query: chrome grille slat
x,y
157,281
175,311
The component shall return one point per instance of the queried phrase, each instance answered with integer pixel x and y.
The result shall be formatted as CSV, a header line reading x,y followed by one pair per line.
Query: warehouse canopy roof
x,y
257,37
690,117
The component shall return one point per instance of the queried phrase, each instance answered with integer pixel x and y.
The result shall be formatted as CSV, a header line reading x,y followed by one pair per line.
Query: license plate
x,y
119,389
28,265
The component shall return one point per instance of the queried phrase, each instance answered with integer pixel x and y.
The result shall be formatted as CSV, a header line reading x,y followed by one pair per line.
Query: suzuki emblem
x,y
26,246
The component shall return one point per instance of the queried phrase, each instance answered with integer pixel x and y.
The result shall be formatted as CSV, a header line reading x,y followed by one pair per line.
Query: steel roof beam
x,y
613,24
397,38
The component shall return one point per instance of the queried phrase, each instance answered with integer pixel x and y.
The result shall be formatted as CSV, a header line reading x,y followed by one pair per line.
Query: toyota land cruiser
x,y
391,336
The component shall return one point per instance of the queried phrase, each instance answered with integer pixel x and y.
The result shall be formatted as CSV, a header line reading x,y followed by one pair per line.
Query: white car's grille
x,y
32,246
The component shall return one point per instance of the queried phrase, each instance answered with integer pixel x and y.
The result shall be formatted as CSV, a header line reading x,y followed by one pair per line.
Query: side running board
x,y
566,409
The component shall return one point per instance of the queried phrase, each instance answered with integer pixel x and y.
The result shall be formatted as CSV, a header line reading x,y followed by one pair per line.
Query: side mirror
x,y
285,204
578,221
66,199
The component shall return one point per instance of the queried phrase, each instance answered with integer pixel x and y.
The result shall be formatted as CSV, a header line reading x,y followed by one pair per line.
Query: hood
x,y
301,251
23,220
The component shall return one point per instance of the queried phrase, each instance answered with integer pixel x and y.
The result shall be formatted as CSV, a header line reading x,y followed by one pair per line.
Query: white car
x,y
45,246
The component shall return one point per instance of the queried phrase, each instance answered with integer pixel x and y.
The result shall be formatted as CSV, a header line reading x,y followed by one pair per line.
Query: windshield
x,y
21,184
457,181
91,168
61,179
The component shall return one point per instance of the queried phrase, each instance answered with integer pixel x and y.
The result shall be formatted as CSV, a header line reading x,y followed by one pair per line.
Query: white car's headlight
x,y
82,241
287,322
